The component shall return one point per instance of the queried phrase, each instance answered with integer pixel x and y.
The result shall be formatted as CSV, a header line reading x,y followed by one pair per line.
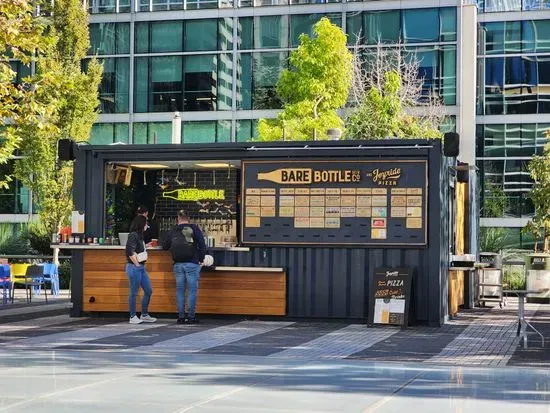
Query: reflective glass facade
x,y
515,63
226,68
514,69
494,6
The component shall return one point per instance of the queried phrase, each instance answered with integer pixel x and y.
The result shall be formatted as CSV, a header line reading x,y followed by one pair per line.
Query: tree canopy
x,y
22,39
539,226
382,114
313,88
73,93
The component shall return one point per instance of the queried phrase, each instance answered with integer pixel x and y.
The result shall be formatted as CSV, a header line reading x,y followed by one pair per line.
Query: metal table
x,y
523,324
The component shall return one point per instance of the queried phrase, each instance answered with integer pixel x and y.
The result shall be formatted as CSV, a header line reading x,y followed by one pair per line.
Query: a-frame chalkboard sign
x,y
390,295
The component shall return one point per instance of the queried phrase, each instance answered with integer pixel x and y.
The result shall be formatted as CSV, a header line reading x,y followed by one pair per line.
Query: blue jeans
x,y
138,277
186,273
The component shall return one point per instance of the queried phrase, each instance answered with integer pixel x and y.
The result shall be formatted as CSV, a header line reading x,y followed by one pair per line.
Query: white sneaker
x,y
135,320
147,319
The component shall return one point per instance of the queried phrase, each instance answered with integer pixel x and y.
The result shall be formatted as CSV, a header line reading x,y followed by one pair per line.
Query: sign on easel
x,y
390,296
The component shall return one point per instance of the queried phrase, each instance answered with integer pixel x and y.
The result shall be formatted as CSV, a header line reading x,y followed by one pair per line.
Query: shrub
x,y
16,245
64,274
39,238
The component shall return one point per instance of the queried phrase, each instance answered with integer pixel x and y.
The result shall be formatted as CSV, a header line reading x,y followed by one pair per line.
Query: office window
x,y
15,198
437,66
244,131
354,28
143,5
536,36
270,32
124,6
114,87
166,84
225,82
383,26
494,37
109,38
420,25
199,132
201,35
267,68
500,6
162,5
200,82
141,82
107,133
21,71
447,21
166,36
202,4
244,81
447,60
152,132
225,34
247,130
245,33
223,131
102,6
141,38
536,4
303,23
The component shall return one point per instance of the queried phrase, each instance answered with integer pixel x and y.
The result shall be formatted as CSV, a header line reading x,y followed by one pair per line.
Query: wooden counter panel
x,y
155,309
123,290
228,292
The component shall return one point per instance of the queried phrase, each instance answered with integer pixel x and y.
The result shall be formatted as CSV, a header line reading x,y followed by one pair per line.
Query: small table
x,y
522,322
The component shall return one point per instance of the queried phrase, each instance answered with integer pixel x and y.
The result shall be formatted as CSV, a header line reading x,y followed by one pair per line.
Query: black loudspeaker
x,y
65,150
451,143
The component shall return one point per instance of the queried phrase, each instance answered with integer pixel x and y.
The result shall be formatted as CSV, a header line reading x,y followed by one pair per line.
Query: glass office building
x,y
513,105
217,62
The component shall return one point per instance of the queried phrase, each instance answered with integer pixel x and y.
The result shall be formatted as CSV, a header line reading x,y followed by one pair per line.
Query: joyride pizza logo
x,y
388,177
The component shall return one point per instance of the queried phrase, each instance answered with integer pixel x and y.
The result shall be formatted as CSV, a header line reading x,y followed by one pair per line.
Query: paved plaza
x,y
50,362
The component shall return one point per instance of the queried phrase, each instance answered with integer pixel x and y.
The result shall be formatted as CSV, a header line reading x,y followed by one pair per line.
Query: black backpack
x,y
182,245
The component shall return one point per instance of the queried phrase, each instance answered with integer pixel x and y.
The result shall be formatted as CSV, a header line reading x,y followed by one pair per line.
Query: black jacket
x,y
134,245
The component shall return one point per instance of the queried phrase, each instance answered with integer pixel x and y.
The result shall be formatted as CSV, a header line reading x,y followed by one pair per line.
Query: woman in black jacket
x,y
137,274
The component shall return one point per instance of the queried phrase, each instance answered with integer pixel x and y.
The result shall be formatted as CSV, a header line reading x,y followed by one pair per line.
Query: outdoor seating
x,y
5,283
51,275
18,276
34,278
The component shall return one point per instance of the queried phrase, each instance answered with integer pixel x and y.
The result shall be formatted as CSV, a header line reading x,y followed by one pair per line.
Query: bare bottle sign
x,y
390,296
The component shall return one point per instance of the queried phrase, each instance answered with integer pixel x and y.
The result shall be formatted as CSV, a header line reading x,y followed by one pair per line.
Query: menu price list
x,y
328,207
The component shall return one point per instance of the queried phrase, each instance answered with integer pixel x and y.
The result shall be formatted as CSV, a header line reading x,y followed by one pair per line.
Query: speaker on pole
x,y
65,150
451,144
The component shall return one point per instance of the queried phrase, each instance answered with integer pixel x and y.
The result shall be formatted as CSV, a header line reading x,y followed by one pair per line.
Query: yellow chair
x,y
18,275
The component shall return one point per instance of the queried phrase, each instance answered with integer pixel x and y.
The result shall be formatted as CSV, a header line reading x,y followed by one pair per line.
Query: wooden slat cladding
x,y
227,292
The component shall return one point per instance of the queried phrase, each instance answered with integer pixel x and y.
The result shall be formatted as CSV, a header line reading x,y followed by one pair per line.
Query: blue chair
x,y
5,283
51,275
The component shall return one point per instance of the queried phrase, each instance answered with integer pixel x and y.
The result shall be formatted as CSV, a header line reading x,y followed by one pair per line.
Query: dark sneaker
x,y
193,320
181,321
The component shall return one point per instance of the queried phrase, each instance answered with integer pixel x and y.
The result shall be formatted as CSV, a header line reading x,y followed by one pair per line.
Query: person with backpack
x,y
186,243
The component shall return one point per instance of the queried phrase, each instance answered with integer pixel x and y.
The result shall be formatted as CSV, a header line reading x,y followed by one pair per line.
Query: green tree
x,y
74,95
313,88
22,38
539,226
383,113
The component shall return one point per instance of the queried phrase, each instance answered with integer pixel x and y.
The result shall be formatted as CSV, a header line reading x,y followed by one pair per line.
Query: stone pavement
x,y
480,337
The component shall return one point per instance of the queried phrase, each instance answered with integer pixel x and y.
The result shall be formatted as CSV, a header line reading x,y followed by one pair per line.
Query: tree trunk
x,y
56,256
